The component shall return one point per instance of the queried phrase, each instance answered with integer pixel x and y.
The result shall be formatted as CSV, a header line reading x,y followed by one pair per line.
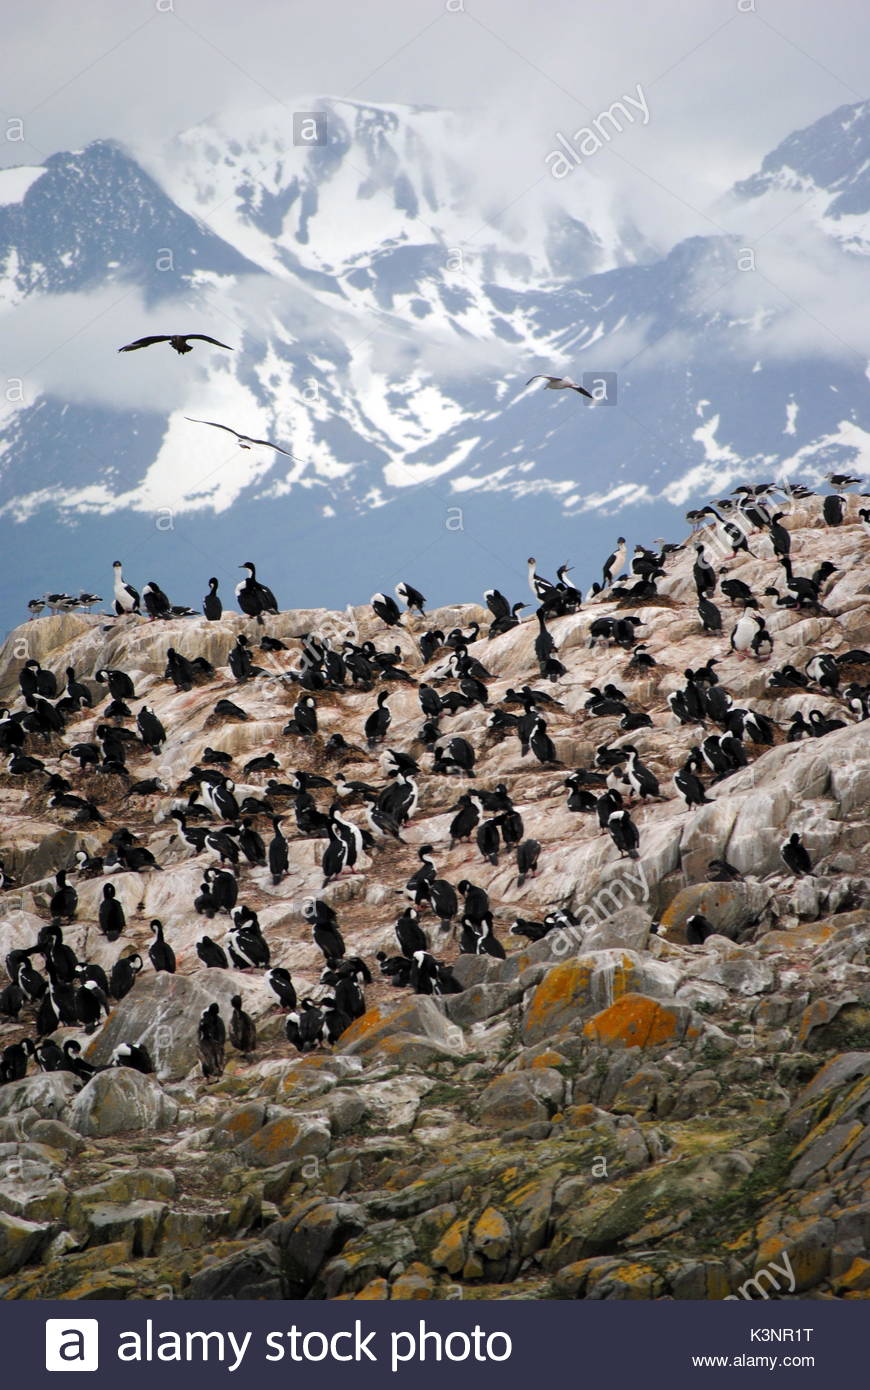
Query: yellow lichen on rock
x,y
638,1021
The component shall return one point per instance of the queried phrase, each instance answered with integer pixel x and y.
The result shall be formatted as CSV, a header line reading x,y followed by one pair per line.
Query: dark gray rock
x,y
306,1242
252,1273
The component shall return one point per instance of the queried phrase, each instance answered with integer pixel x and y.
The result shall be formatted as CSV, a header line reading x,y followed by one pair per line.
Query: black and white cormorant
x,y
624,833
378,722
157,605
134,1055
528,853
614,563
411,597
386,608
123,975
253,597
126,597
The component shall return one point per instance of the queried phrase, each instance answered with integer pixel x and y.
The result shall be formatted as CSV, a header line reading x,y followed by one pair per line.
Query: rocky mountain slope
x,y
608,1112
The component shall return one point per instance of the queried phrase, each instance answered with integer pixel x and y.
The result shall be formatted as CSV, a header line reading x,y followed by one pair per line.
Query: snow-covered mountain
x,y
385,313
829,162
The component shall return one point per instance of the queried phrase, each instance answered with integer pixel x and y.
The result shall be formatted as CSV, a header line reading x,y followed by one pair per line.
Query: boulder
x,y
417,1282
162,1014
480,1002
739,976
418,1019
250,1272
21,1242
154,1185
491,1235
635,1020
577,987
56,1136
238,1125
119,1101
135,1223
731,907
285,1138
307,1241
520,1098
48,1094
393,1105
628,928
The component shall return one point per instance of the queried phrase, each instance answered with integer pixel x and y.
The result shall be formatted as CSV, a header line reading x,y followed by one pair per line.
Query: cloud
x,y
67,345
723,86
800,295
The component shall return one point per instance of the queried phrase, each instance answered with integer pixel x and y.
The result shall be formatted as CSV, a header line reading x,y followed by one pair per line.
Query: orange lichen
x,y
559,987
416,1282
637,1021
703,897
548,1058
492,1234
272,1142
573,982
362,1027
242,1123
375,1291
449,1253
856,1277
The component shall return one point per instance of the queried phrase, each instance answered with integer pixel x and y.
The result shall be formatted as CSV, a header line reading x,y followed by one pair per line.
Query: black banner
x,y
138,1343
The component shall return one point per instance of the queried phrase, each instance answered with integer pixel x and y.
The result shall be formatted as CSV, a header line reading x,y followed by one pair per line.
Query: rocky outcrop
x,y
606,1113
121,1101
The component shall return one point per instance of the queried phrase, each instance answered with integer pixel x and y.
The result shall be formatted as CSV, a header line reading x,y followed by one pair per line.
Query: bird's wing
x,y
584,392
214,424
145,342
268,443
541,377
204,338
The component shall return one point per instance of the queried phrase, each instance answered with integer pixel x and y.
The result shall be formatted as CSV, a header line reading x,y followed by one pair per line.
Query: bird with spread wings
x,y
180,341
245,440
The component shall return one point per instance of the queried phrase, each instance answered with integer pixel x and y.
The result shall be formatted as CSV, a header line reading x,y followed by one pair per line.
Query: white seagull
x,y
560,383
245,440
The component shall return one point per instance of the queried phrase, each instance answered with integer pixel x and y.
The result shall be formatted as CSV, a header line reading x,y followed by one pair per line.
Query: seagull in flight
x,y
180,341
245,440
560,383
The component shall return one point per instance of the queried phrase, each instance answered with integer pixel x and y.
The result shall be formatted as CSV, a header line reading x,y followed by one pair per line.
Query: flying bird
x,y
245,440
180,341
560,383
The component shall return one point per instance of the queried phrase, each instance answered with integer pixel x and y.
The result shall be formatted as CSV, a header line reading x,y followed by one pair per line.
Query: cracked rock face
x,y
608,1112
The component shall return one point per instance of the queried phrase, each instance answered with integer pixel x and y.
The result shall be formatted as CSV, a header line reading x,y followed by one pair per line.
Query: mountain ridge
x,y
382,365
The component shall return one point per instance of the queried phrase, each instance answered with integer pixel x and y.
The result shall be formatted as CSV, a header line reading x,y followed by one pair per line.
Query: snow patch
x,y
15,183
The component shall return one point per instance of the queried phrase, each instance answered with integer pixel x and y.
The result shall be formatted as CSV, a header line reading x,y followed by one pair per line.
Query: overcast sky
x,y
723,82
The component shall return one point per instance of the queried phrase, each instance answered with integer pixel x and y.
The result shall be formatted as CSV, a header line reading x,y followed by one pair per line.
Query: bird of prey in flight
x,y
180,341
